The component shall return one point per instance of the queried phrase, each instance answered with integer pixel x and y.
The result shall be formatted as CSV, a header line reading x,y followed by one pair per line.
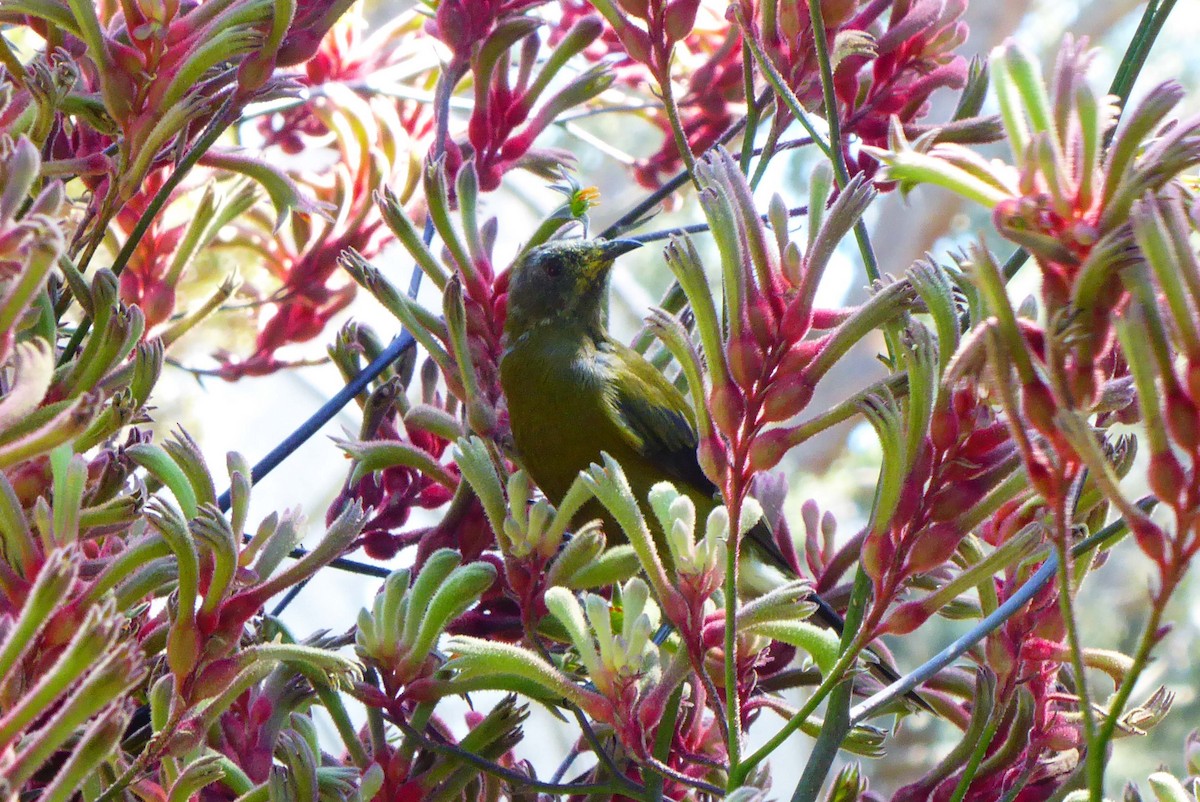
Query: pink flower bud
x,y
797,319
1183,419
714,459
745,359
798,357
934,547
636,42
785,397
636,8
1166,477
680,18
905,618
1150,539
1038,406
727,406
769,447
762,322
876,556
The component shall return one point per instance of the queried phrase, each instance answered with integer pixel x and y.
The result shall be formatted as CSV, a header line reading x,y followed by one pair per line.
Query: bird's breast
x,y
557,397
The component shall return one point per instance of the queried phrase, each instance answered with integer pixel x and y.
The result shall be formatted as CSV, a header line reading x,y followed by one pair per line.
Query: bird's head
x,y
564,280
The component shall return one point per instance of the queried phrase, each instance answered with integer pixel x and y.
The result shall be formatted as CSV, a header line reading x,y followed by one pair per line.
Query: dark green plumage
x,y
574,392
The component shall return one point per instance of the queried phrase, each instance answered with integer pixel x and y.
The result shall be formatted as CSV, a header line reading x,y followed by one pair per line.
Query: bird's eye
x,y
553,268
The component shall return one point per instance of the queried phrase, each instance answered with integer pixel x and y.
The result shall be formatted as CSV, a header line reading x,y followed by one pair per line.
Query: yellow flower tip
x,y
589,195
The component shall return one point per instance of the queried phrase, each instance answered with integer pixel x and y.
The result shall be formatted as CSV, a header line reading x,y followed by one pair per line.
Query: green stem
x,y
1134,59
768,150
1097,749
672,110
832,119
981,748
1067,611
752,112
837,714
733,713
853,645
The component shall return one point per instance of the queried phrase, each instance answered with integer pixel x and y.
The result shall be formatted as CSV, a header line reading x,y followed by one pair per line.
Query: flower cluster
x,y
1108,232
164,163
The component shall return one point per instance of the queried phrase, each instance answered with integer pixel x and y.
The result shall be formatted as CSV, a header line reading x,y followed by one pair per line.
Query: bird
x,y
573,392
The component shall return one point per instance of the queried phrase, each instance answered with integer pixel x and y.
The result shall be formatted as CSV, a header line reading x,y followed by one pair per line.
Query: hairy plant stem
x,y
977,754
768,151
672,110
837,713
1066,606
603,758
844,662
1097,749
733,704
752,110
832,119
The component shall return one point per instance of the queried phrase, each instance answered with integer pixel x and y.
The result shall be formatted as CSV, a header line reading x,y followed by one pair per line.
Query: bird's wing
x,y
655,418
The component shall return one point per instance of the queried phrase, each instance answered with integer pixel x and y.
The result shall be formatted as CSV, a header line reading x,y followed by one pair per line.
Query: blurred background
x,y
838,469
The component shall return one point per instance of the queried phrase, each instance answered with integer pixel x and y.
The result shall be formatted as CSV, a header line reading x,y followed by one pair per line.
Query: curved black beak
x,y
615,247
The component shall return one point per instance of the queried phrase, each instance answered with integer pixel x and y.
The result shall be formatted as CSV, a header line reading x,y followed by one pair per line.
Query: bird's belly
x,y
559,423
554,448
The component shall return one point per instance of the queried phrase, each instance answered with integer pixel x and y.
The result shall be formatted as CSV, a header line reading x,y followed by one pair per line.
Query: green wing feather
x,y
655,419
658,423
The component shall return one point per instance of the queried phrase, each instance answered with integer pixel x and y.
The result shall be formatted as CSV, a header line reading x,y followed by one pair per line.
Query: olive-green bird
x,y
573,392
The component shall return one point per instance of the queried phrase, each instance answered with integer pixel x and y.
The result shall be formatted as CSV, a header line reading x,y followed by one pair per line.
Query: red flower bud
x,y
998,656
1150,539
943,427
745,359
934,547
680,18
905,618
636,8
1039,406
1183,419
762,321
727,406
714,459
1193,376
876,556
797,319
798,357
785,397
636,42
1042,650
1166,477
769,447
1085,381
1042,478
